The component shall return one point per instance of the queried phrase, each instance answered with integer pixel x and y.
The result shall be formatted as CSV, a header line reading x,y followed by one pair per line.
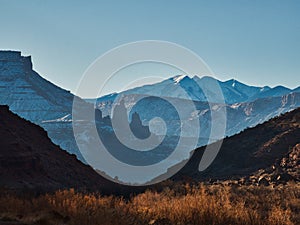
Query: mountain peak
x,y
280,87
179,78
204,78
233,90
232,82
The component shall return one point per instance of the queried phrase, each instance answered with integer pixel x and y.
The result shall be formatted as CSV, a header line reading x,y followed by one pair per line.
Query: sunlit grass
x,y
178,204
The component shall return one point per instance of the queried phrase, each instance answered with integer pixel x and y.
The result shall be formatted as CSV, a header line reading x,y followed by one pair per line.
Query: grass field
x,y
218,204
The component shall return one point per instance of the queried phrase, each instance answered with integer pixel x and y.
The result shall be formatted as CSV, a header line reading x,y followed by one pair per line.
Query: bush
x,y
200,204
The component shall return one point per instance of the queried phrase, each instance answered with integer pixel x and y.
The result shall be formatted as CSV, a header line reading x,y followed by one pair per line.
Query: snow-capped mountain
x,y
197,89
246,106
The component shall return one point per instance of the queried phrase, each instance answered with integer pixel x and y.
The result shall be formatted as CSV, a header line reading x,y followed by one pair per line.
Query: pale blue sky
x,y
256,42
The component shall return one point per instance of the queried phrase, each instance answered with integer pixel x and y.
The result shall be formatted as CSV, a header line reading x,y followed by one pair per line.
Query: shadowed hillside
x,y
269,150
29,161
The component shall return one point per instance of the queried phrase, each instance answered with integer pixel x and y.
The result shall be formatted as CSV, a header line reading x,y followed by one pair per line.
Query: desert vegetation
x,y
175,204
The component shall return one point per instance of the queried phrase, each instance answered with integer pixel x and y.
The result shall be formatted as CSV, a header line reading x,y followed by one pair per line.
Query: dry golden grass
x,y
180,204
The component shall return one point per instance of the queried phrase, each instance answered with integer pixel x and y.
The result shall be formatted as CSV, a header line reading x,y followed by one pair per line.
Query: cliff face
x,y
36,99
28,94
14,59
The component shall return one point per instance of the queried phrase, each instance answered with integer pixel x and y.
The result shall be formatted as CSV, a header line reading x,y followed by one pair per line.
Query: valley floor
x,y
217,204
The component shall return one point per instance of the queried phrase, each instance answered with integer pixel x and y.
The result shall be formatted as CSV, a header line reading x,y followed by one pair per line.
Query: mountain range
x,y
267,154
32,97
196,89
246,106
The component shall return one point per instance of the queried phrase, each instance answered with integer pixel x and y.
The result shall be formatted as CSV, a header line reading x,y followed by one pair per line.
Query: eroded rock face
x,y
27,93
290,164
36,99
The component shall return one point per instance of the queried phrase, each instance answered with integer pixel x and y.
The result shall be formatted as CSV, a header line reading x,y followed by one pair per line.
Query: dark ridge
x,y
30,162
260,148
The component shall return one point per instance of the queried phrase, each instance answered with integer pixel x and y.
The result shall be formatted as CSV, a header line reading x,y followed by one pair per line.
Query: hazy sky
x,y
256,42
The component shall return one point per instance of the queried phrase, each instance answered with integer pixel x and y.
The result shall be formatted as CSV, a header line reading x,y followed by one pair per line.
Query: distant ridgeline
x,y
34,98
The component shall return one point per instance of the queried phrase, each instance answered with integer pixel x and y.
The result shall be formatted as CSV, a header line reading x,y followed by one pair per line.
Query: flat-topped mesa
x,y
10,55
14,58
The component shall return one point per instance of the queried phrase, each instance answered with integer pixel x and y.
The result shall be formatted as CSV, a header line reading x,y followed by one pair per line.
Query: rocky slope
x,y
266,153
30,161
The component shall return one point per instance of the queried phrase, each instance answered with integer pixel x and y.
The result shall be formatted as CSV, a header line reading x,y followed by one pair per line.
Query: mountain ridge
x,y
30,161
233,90
38,100
261,151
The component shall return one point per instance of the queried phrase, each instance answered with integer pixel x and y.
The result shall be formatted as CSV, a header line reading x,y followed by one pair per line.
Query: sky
x,y
254,41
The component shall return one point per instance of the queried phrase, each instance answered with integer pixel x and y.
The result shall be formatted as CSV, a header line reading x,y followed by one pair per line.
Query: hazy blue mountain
x,y
184,87
274,92
38,100
246,106
296,89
